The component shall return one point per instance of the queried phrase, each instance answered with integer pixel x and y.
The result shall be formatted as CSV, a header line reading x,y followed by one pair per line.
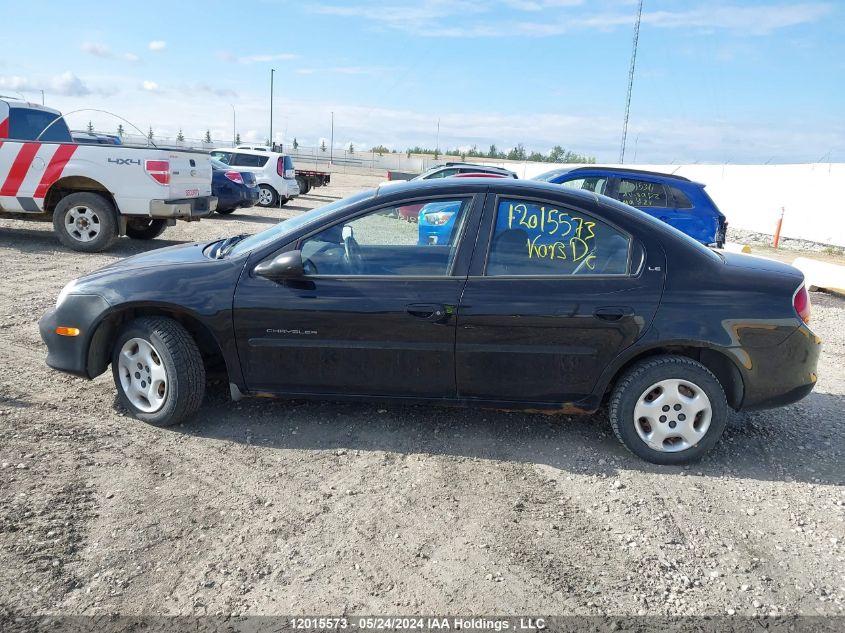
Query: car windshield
x,y
287,227
549,175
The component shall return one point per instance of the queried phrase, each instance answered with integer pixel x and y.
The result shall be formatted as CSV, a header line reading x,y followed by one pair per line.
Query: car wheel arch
x,y
108,328
75,184
719,362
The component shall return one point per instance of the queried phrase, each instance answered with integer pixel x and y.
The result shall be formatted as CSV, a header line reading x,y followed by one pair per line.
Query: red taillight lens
x,y
801,301
280,167
234,177
159,170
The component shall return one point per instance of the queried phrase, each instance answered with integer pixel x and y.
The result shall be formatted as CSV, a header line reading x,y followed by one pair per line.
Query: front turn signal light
x,y
67,331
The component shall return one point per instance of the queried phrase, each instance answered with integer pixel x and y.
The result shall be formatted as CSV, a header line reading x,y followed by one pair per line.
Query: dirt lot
x,y
265,507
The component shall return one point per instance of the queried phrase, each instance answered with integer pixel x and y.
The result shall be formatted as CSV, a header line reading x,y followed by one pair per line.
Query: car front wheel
x,y
158,371
668,410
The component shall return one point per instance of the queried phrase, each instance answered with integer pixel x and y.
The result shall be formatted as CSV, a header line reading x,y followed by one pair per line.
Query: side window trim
x,y
472,197
491,220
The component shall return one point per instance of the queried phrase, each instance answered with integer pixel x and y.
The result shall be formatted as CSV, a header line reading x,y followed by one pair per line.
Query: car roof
x,y
619,171
253,152
12,102
462,185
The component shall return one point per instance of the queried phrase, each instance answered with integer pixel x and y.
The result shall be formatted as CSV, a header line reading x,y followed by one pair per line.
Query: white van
x,y
274,173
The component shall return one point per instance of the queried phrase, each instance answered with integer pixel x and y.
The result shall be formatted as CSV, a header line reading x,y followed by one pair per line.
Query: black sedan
x,y
233,189
538,297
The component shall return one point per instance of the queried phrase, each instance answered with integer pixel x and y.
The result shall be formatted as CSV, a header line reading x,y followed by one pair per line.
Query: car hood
x,y
168,256
166,275
752,262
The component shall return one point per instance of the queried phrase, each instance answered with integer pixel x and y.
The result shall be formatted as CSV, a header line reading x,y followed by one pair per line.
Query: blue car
x,y
675,200
234,189
436,222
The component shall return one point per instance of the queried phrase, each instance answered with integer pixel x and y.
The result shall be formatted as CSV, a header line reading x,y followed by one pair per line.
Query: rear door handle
x,y
613,313
427,311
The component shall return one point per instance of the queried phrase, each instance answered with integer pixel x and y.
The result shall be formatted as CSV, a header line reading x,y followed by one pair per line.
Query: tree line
x,y
557,154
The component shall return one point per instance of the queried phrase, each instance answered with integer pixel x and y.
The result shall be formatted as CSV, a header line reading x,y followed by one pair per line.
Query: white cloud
x,y
150,86
263,58
344,70
97,50
131,57
436,18
69,85
15,83
157,45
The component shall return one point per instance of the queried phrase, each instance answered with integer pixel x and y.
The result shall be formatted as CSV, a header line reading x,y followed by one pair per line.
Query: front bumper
x,y
187,209
70,353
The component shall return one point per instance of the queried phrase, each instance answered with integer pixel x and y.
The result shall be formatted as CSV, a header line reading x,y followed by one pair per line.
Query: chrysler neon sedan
x,y
540,297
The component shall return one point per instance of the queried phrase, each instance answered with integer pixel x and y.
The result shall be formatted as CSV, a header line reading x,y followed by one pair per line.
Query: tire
x,y
145,228
169,384
226,211
307,187
303,184
284,201
267,196
85,222
684,432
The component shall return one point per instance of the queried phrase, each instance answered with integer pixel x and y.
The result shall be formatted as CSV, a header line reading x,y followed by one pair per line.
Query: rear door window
x,y
641,193
223,157
536,238
248,160
596,184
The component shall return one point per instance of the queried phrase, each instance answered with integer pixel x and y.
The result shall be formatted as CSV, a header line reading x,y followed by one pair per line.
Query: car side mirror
x,y
284,266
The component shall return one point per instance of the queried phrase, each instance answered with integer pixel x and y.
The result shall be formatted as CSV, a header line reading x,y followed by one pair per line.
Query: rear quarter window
x,y
29,125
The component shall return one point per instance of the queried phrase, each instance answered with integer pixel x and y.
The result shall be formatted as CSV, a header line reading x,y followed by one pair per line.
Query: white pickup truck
x,y
94,193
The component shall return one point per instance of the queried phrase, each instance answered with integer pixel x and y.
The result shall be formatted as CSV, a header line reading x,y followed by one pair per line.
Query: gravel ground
x,y
282,507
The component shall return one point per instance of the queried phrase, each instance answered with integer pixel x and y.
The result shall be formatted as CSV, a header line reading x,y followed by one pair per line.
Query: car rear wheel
x,y
267,196
145,228
226,211
85,222
668,410
158,371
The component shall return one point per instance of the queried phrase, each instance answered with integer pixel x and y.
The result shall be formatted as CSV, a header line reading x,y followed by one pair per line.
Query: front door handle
x,y
428,311
613,313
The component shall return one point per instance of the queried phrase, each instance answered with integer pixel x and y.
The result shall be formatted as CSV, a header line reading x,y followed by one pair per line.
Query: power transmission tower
x,y
630,82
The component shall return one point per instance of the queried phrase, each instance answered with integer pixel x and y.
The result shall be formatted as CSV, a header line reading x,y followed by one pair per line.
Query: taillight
x,y
159,170
280,167
801,301
438,218
234,177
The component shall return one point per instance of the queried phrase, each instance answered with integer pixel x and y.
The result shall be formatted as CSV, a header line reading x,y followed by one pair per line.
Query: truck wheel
x,y
85,222
303,184
267,196
158,371
145,228
668,410
226,211
284,201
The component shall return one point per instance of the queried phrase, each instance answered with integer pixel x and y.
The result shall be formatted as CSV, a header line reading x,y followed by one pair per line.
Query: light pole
x,y
234,133
272,72
331,143
437,144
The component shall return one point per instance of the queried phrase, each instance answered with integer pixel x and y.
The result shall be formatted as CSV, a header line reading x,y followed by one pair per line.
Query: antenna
x,y
630,82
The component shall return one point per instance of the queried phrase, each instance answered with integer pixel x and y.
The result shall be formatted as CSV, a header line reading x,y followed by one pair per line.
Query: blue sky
x,y
716,81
